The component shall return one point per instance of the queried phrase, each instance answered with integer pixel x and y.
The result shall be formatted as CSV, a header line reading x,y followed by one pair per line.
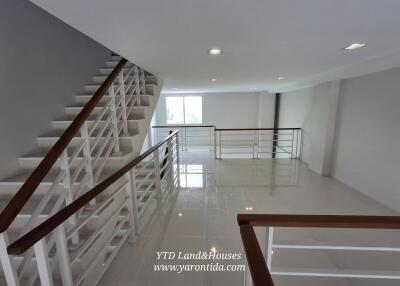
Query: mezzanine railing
x,y
191,136
258,143
261,268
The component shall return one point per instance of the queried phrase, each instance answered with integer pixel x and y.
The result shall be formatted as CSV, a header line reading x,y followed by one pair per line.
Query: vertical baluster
x,y
113,109
170,161
157,175
215,143
123,103
270,237
129,193
297,143
138,86
178,172
42,261
254,143
63,256
291,150
220,145
143,80
87,155
135,210
67,184
7,262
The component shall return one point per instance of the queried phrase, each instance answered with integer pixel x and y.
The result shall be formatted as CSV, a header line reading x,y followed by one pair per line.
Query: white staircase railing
x,y
151,178
76,164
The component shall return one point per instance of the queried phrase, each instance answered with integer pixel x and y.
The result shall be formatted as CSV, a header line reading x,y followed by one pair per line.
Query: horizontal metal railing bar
x,y
338,273
28,240
246,129
182,126
335,247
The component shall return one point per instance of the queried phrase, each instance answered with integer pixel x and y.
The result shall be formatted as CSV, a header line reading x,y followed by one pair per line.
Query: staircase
x,y
111,136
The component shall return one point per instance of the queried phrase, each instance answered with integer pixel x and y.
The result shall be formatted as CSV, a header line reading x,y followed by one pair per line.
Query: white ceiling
x,y
261,39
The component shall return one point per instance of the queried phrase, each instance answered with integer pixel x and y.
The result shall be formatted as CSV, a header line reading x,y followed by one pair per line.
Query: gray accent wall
x,y
44,63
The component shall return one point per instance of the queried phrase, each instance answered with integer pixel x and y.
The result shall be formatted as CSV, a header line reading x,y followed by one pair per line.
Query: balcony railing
x,y
261,269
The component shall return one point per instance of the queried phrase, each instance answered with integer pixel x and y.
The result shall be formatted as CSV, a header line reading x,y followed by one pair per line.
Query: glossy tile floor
x,y
202,217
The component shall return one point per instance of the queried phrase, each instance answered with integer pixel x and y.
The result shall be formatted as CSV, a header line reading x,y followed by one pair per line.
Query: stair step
x,y
84,98
113,63
150,79
116,58
92,88
33,159
10,185
50,138
133,121
76,109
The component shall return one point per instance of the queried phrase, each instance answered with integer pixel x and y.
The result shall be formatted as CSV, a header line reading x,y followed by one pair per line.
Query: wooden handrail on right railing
x,y
256,262
36,234
19,200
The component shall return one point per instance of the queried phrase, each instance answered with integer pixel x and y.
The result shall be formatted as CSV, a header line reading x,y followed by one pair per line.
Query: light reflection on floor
x,y
203,217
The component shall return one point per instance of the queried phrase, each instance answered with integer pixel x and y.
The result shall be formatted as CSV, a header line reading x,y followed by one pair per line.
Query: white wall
x,y
314,110
225,110
44,64
367,155
295,112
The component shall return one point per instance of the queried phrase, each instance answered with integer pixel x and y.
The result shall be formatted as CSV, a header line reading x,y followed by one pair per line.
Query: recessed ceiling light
x,y
249,208
215,51
213,249
354,46
281,77
179,214
213,79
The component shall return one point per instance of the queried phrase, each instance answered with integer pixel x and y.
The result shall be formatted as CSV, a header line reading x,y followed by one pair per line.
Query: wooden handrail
x,y
19,200
247,129
39,232
258,268
321,221
255,259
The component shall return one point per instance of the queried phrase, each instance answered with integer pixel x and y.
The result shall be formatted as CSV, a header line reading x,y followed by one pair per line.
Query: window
x,y
184,110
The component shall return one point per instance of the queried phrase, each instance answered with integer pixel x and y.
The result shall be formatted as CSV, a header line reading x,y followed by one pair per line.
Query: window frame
x,y
183,109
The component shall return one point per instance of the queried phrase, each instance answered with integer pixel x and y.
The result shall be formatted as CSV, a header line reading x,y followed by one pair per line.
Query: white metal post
x,y
178,159
129,193
123,103
157,174
87,154
135,210
143,79
254,143
67,184
7,262
186,145
113,109
247,276
215,143
220,144
138,85
170,161
42,261
63,256
210,141
270,238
